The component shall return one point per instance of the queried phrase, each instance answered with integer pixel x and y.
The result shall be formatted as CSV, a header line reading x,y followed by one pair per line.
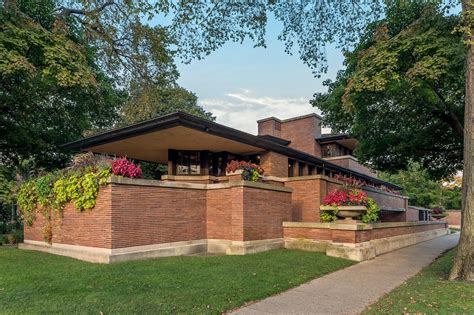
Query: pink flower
x,y
126,168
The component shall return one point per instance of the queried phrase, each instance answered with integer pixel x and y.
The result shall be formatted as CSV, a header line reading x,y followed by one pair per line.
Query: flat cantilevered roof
x,y
150,140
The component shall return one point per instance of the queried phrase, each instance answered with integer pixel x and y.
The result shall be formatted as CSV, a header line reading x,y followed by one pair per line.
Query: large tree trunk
x,y
463,267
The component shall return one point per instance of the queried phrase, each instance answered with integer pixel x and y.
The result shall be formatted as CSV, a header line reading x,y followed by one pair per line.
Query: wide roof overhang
x,y
342,139
150,140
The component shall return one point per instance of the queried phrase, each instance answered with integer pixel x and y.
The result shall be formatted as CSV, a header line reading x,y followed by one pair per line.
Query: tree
x,y
402,93
463,267
423,191
148,101
65,72
51,90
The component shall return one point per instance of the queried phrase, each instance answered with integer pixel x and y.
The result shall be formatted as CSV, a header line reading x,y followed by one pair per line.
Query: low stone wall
x,y
136,218
358,241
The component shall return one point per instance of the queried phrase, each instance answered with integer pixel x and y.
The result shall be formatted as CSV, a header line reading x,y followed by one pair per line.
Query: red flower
x,y
242,165
126,168
341,198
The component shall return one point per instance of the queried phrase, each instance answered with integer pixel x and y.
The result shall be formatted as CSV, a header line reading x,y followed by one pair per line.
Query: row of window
x,y
335,149
204,162
215,163
312,169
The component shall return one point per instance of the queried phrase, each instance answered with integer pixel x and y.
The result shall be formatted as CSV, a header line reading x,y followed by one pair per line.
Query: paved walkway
x,y
351,290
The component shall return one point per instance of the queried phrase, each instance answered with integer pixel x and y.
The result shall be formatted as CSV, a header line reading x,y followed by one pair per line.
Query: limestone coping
x,y
404,224
366,188
331,225
188,177
358,226
169,184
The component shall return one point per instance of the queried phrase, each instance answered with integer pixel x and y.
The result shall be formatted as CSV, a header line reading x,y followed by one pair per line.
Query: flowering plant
x,y
438,213
352,198
342,198
251,171
358,183
126,168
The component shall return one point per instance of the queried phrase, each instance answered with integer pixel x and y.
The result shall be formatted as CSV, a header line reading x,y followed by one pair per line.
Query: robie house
x,y
198,207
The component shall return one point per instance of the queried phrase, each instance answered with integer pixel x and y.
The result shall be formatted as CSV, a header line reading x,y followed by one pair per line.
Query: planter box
x,y
346,212
237,172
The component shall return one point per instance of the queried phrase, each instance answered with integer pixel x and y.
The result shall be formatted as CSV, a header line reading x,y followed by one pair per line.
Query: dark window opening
x,y
423,215
311,169
300,169
278,125
291,167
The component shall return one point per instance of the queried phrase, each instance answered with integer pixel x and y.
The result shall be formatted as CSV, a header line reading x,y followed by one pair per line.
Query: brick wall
x,y
302,133
35,232
412,215
350,236
264,211
131,215
394,231
144,215
350,163
274,164
306,199
86,228
267,127
219,218
453,218
392,216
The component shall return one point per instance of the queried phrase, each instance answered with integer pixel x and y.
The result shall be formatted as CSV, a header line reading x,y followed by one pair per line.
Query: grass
x,y
429,292
34,282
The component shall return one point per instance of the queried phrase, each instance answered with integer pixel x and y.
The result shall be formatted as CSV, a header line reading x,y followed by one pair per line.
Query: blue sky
x,y
240,84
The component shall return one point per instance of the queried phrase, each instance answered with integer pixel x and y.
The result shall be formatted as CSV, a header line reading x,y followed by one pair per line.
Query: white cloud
x,y
242,109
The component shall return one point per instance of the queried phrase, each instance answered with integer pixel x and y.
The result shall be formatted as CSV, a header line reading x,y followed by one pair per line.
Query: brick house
x,y
197,207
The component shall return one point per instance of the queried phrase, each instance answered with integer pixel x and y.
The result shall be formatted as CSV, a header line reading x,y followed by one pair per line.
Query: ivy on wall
x,y
79,184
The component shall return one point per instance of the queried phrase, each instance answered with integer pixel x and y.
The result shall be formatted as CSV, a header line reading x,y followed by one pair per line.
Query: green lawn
x,y
429,293
34,282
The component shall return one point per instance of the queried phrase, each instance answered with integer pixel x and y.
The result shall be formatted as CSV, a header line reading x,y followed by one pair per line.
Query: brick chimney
x,y
301,131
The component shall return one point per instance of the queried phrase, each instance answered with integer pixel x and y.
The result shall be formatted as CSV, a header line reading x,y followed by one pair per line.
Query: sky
x,y
240,84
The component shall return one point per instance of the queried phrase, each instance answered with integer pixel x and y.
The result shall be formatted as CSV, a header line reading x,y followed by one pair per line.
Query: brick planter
x,y
348,213
358,241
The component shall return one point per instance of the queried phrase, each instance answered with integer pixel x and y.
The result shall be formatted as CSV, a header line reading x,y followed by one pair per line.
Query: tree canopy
x,y
151,100
402,93
66,71
424,191
51,88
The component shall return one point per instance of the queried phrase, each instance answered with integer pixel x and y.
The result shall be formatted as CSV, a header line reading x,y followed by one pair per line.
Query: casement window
x,y
188,163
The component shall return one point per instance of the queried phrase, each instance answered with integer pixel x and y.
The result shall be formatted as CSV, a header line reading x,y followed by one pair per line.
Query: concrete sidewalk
x,y
351,290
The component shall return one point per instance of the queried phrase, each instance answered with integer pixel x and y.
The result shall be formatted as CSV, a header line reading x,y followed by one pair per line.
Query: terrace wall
x,y
171,218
